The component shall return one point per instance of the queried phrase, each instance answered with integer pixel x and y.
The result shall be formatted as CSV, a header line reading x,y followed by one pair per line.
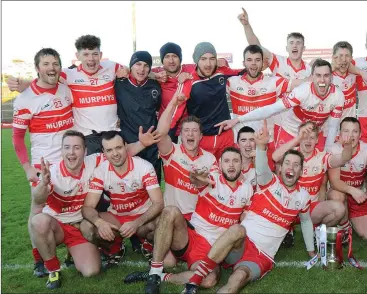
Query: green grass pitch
x,y
16,261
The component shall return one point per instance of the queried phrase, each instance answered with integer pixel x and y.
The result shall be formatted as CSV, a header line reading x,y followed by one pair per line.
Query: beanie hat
x,y
201,49
141,56
170,48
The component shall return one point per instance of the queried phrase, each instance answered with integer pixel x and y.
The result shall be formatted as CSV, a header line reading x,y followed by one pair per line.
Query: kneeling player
x,y
63,188
221,203
136,198
269,217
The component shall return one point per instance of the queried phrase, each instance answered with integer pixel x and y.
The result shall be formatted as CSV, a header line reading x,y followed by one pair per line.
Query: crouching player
x,y
269,217
136,198
63,188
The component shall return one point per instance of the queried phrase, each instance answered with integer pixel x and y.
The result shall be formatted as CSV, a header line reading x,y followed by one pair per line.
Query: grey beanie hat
x,y
203,48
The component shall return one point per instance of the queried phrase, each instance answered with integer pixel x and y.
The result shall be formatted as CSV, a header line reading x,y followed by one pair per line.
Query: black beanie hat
x,y
141,56
170,48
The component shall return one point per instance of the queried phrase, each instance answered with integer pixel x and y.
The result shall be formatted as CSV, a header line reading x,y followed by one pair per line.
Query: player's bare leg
x,y
86,258
328,212
240,277
360,226
344,223
47,234
233,238
171,233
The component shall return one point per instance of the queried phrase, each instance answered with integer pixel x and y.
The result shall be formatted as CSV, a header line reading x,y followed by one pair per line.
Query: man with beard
x,y
222,199
139,99
206,93
347,181
270,215
136,198
319,101
45,109
61,190
315,166
253,90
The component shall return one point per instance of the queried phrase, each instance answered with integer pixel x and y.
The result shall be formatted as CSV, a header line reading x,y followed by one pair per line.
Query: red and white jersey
x,y
94,103
348,85
247,95
249,175
68,192
128,192
361,62
48,115
177,166
314,169
220,206
282,66
272,211
307,105
355,170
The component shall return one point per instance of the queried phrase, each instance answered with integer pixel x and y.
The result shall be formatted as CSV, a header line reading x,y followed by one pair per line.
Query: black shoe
x,y
288,241
113,260
69,261
39,270
190,289
136,277
153,284
135,243
54,280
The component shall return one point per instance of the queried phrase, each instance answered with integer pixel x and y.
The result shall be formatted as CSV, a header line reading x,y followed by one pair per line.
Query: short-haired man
x,y
319,101
347,181
253,90
45,110
247,146
314,169
221,203
62,189
136,199
181,159
206,93
267,221
139,100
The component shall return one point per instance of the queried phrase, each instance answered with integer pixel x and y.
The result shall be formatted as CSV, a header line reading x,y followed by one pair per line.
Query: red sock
x,y
36,255
53,264
205,267
116,246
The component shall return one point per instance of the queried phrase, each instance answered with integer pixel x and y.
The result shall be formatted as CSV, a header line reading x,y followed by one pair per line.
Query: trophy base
x,y
333,265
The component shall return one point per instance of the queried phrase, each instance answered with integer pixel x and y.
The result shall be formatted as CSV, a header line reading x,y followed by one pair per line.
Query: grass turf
x,y
17,259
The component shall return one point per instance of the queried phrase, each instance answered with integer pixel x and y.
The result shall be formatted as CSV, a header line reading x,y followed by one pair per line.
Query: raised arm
x,y
252,39
18,84
333,123
263,172
338,160
307,232
145,140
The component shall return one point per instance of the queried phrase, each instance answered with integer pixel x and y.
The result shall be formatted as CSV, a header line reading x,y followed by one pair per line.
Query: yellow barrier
x,y
7,95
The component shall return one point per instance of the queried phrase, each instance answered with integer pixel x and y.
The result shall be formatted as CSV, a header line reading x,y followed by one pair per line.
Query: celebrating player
x,y
267,221
45,109
318,100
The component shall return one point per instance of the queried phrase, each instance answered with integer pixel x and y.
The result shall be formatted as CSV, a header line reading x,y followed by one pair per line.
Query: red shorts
x,y
125,218
253,255
188,216
355,209
284,137
198,248
363,122
216,144
72,235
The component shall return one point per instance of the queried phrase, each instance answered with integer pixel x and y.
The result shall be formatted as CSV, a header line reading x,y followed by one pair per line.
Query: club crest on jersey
x,y
110,187
287,74
298,204
135,185
154,93
106,77
263,91
361,166
221,81
321,107
315,169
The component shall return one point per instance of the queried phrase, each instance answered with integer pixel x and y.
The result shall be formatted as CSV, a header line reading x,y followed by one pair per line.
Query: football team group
x,y
292,151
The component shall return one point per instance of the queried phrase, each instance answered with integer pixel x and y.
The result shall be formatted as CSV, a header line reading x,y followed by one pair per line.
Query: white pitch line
x,y
144,265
